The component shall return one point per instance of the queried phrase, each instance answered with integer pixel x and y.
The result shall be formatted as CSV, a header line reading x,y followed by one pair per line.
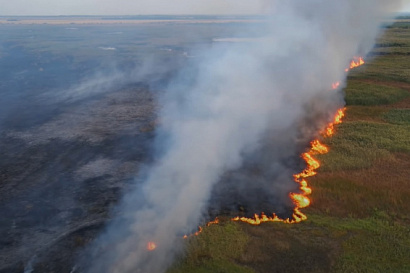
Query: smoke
x,y
256,103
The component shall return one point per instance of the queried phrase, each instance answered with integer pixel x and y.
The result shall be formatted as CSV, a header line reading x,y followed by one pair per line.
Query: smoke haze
x,y
125,7
258,102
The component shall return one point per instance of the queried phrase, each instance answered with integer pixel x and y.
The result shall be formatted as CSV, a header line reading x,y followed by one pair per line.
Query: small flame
x,y
151,246
259,219
319,147
214,222
335,85
312,163
305,188
340,114
300,200
337,120
200,229
356,62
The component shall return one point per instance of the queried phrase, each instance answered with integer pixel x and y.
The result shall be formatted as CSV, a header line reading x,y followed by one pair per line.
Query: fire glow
x,y
151,246
356,62
200,229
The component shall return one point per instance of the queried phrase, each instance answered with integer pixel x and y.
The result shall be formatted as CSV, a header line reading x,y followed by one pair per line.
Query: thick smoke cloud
x,y
258,102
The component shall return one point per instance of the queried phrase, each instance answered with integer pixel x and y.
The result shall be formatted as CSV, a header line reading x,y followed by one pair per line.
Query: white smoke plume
x,y
224,108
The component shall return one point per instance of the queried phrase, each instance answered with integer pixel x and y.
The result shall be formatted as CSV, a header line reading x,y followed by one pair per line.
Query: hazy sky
x,y
133,7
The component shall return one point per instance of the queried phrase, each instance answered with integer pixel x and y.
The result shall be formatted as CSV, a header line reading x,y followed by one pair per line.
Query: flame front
x,y
301,200
330,130
200,229
214,222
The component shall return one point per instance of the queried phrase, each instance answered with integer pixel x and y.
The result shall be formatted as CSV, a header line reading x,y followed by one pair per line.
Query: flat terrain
x,y
77,123
359,218
123,20
77,116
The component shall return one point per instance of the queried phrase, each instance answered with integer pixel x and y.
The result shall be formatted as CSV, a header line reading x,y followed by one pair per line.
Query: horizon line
x,y
158,14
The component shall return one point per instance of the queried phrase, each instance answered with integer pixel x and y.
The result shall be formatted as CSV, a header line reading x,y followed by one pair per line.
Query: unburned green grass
x,y
210,266
365,113
362,93
358,144
215,250
322,244
389,60
358,193
388,68
374,244
398,116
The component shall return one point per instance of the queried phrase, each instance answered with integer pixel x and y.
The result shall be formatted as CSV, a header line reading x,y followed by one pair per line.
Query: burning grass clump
x,y
362,93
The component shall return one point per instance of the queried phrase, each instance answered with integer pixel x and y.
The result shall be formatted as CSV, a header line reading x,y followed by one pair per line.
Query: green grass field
x,y
359,220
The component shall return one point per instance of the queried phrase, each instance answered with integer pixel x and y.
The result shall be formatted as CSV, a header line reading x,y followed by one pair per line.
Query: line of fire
x,y
300,200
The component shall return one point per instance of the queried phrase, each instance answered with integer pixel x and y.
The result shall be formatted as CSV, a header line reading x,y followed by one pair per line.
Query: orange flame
x,y
214,222
335,85
300,200
356,62
200,229
151,246
319,147
337,120
305,188
259,219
